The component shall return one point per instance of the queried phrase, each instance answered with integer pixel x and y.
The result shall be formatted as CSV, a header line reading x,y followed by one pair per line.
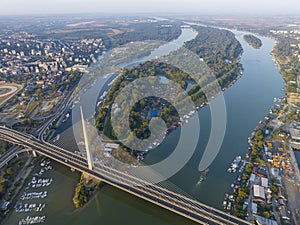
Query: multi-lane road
x,y
155,194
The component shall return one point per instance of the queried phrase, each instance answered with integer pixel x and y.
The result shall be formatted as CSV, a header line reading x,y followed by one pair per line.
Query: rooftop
x,y
264,182
259,192
295,133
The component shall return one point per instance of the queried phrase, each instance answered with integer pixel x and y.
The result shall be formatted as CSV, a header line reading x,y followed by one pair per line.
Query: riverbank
x,y
253,41
21,178
272,170
250,107
292,186
272,175
226,73
244,109
62,181
85,190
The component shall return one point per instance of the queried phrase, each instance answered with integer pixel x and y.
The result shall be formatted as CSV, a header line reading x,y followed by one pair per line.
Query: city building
x,y
259,193
295,134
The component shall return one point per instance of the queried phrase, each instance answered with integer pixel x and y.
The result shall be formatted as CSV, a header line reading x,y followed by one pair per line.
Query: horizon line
x,y
152,14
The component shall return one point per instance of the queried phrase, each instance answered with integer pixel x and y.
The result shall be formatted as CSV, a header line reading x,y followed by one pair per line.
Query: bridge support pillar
x,y
34,154
88,178
86,141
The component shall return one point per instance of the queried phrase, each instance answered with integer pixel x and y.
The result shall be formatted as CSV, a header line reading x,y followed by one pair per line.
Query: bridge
x,y
153,193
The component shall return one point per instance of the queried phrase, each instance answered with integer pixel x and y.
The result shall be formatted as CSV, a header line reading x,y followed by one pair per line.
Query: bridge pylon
x,y
86,141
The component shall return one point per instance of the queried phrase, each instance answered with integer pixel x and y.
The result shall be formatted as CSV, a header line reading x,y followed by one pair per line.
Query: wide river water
x,y
247,102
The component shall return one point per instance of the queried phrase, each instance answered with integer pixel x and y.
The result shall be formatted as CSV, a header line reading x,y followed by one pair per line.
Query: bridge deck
x,y
162,197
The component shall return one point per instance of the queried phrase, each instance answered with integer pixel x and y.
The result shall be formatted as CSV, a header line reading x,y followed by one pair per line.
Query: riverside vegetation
x,y
253,41
219,49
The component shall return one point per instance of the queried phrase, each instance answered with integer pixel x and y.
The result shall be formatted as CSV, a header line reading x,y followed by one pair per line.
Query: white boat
x,y
229,206
224,204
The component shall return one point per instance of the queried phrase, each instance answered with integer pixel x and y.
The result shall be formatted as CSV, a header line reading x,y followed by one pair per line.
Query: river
x,y
247,102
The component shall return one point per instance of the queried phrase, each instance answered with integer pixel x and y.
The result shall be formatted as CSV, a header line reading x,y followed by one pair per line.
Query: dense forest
x,y
139,124
212,43
220,51
288,62
253,41
149,31
113,34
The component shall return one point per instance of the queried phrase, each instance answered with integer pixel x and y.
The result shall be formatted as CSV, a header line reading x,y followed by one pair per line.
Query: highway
x,y
155,194
9,155
60,110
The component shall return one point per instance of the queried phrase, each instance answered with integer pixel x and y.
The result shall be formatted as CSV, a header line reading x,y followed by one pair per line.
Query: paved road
x,y
174,202
12,90
273,199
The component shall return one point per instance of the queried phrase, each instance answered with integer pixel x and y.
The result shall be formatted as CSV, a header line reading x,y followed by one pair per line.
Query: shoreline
x,y
21,186
287,183
189,114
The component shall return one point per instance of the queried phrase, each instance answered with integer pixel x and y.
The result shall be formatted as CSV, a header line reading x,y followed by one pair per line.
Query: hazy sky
x,y
150,6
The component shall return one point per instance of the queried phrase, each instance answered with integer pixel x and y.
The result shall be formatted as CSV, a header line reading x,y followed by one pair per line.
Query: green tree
x,y
274,188
266,214
9,171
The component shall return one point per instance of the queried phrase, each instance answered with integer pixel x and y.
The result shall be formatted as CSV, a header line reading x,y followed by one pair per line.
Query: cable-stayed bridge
x,y
153,193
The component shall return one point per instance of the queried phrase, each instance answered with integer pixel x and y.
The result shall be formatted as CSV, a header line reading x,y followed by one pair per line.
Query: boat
x,y
224,204
201,179
32,220
229,206
226,196
235,164
203,176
